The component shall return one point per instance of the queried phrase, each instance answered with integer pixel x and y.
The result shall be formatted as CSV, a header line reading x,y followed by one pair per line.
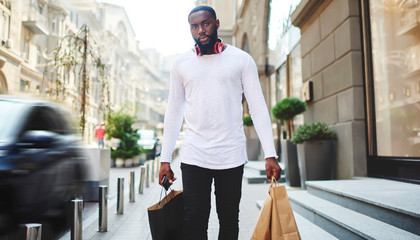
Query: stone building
x,y
30,30
361,59
243,23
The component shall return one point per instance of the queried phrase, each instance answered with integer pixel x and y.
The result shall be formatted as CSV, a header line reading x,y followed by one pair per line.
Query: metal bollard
x,y
132,196
103,208
157,166
76,228
152,170
142,179
147,173
33,231
120,196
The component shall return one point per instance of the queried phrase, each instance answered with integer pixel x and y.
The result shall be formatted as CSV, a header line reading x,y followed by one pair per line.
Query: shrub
x,y
288,108
247,121
313,131
119,125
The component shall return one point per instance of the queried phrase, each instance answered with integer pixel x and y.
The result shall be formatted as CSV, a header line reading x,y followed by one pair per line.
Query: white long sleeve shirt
x,y
206,91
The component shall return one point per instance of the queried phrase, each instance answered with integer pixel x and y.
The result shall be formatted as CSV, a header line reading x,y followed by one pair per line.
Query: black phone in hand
x,y
165,183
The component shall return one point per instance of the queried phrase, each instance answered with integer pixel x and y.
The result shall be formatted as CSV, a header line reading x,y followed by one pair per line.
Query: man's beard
x,y
209,46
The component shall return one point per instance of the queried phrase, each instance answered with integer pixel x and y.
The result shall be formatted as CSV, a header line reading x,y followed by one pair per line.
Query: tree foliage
x,y
288,108
74,62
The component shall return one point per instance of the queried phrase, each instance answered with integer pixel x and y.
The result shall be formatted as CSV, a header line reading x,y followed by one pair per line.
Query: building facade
x,y
357,59
244,24
362,59
31,31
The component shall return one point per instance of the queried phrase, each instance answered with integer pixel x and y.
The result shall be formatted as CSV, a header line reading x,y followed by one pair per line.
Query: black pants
x,y
197,188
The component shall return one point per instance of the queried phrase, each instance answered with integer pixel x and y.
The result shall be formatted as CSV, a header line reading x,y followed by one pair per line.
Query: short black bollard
x,y
120,196
103,208
33,231
77,224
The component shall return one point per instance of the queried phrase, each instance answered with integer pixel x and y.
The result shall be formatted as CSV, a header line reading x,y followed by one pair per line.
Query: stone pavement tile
x,y
133,224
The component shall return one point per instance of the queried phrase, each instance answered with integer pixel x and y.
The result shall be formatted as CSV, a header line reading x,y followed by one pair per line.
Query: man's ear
x,y
217,23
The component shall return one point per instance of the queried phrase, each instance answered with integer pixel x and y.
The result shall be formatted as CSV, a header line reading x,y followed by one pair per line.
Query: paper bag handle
x,y
274,181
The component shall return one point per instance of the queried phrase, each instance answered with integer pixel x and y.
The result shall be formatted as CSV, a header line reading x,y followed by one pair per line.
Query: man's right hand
x,y
165,169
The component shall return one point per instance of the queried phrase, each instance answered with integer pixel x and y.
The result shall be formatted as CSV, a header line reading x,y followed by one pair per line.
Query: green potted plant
x,y
285,110
119,126
315,150
247,120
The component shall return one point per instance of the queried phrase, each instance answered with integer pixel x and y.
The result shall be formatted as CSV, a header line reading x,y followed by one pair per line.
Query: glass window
x,y
296,80
24,85
395,31
282,82
26,41
4,25
273,96
54,26
38,55
295,72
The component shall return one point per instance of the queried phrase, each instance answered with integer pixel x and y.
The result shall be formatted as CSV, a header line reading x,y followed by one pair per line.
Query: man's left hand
x,y
272,168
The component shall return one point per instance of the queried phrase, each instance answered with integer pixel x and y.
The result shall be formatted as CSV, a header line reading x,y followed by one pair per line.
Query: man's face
x,y
203,27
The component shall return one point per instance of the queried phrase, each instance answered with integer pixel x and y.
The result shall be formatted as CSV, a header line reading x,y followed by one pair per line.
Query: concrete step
x,y
307,230
251,177
342,222
256,167
310,231
392,202
254,172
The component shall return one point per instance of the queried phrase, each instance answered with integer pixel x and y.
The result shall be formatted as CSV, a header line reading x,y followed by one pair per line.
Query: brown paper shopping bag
x,y
262,229
276,220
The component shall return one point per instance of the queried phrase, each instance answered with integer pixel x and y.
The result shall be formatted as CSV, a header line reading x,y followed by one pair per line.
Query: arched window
x,y
3,83
122,34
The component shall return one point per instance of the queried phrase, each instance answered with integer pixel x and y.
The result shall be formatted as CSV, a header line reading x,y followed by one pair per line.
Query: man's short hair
x,y
203,8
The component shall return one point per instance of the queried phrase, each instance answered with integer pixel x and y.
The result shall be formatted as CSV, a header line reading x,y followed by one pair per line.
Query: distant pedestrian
x,y
206,89
99,135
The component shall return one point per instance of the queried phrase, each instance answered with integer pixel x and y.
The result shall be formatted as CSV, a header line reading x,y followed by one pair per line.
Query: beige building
x,y
362,57
30,31
244,24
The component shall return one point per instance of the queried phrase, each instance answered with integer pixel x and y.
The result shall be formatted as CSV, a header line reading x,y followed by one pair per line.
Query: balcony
x,y
35,22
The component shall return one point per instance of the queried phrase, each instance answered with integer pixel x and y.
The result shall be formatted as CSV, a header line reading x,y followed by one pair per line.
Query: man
x,y
206,87
99,135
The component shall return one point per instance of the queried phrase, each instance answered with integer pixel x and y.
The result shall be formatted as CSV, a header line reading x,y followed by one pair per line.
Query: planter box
x,y
315,160
253,148
290,160
99,161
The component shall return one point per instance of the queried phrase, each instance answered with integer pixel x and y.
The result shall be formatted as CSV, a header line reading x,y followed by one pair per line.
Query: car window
x,y
62,124
10,117
42,118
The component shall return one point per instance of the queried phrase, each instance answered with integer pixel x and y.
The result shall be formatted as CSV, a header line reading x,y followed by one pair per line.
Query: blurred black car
x,y
41,163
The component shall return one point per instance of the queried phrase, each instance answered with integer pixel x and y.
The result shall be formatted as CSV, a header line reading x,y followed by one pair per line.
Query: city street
x,y
133,224
329,89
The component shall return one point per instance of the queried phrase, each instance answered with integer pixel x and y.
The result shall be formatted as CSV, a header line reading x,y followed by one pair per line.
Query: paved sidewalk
x,y
133,224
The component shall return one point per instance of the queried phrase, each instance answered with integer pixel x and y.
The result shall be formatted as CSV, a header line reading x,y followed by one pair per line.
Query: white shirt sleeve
x,y
258,108
174,116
